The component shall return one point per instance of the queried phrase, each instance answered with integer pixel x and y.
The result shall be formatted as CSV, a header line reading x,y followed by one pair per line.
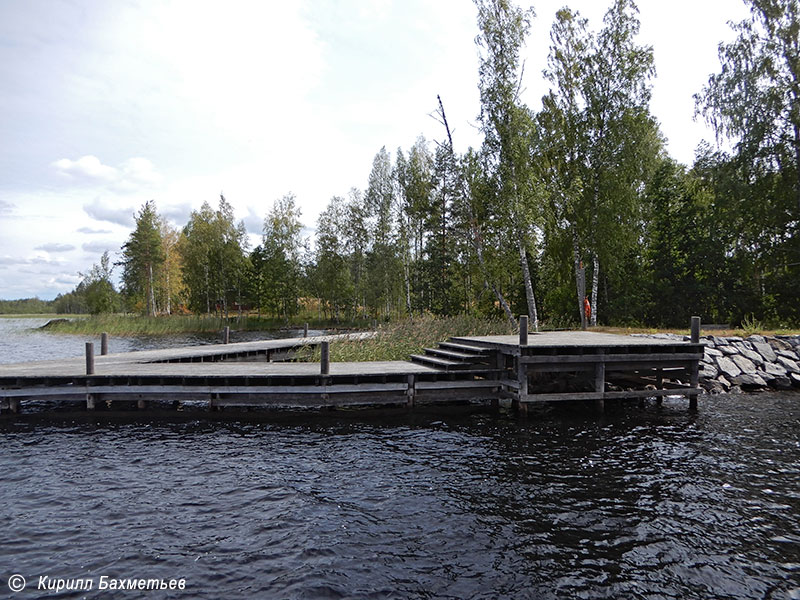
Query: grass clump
x,y
398,340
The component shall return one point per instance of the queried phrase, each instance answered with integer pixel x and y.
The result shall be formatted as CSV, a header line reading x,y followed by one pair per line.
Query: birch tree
x,y
506,124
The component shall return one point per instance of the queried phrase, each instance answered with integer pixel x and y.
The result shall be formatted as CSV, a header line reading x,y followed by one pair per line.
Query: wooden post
x,y
226,335
89,358
103,344
305,330
523,330
411,393
13,405
695,330
695,374
141,403
600,383
89,401
660,385
522,379
325,358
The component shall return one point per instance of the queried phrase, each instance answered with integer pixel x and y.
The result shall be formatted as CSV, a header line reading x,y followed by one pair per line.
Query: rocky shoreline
x,y
735,364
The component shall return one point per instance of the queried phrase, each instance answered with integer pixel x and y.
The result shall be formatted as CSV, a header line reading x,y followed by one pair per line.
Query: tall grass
x,y
165,325
399,339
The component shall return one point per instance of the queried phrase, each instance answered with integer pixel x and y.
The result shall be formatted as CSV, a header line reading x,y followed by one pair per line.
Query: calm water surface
x,y
651,502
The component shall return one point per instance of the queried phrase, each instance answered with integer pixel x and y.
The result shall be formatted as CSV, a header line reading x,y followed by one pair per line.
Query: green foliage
x,y
26,306
142,258
215,266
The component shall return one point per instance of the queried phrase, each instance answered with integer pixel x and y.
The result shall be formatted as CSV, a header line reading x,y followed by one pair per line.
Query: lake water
x,y
653,502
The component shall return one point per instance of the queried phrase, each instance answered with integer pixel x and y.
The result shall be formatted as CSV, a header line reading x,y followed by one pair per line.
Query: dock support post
x,y
522,379
103,344
523,330
600,384
305,330
411,393
325,358
695,374
226,335
89,358
90,402
13,405
141,403
660,385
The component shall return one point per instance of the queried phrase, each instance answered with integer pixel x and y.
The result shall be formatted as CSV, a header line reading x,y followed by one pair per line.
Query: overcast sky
x,y
105,105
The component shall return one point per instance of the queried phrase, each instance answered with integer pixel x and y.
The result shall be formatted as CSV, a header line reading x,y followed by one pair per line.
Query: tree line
x,y
576,203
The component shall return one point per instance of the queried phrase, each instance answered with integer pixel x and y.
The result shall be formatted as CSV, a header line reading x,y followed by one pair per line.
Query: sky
x,y
106,105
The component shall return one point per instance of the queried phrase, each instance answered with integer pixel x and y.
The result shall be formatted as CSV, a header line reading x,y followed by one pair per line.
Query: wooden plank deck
x,y
540,371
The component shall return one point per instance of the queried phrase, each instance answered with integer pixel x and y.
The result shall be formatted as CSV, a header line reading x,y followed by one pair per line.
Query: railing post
x,y
103,344
305,330
89,358
325,358
523,330
226,335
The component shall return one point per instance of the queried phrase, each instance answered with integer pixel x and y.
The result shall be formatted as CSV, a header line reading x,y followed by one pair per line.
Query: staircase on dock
x,y
455,356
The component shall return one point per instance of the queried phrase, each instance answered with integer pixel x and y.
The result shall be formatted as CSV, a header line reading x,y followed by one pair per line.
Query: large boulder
x,y
775,370
708,370
727,367
748,381
779,344
790,365
752,355
745,364
765,350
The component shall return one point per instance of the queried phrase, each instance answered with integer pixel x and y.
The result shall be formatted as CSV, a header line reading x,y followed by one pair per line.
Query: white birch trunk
x,y
595,281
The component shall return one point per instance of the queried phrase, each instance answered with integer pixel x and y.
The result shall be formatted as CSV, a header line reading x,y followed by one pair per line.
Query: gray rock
x,y
795,377
709,371
749,380
712,352
757,339
781,383
779,344
774,370
719,341
726,385
765,350
791,355
734,338
753,356
729,350
727,367
745,364
789,364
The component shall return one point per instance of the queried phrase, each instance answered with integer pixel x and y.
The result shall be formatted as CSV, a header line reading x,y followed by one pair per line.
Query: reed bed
x,y
177,324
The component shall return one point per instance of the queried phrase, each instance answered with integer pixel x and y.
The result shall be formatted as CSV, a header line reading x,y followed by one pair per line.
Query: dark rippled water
x,y
453,503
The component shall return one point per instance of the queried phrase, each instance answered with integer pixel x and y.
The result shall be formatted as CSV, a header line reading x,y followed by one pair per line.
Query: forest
x,y
578,200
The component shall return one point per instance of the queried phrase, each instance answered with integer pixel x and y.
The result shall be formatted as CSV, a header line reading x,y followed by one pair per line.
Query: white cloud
x,y
100,247
101,210
91,231
55,247
88,168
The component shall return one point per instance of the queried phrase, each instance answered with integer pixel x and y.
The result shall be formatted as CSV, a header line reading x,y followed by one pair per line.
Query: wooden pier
x,y
545,367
